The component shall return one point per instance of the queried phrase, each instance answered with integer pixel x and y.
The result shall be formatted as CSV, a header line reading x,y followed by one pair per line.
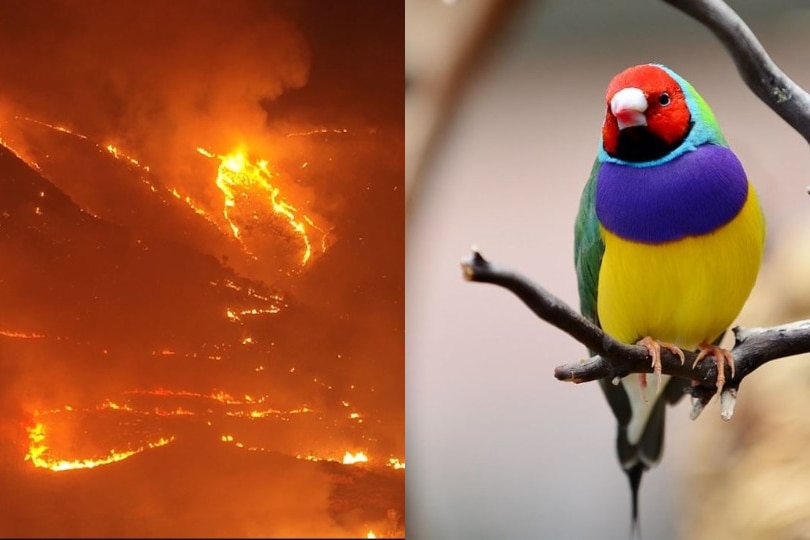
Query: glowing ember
x,y
236,315
118,154
310,457
53,127
239,179
394,463
20,335
191,204
107,404
318,132
371,534
39,455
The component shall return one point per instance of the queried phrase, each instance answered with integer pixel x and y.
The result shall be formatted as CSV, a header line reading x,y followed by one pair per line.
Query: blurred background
x,y
504,104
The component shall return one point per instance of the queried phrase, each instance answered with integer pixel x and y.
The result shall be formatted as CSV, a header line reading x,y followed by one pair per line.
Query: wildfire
x,y
239,179
39,455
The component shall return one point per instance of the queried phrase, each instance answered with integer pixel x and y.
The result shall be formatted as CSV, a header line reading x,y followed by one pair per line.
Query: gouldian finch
x,y
668,243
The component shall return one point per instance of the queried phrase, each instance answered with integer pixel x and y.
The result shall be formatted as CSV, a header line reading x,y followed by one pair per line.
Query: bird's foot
x,y
721,357
654,346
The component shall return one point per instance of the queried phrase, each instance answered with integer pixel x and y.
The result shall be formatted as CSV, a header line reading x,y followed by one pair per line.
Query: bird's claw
x,y
721,358
654,348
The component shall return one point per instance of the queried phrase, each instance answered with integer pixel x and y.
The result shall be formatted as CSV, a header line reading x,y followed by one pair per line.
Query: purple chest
x,y
691,195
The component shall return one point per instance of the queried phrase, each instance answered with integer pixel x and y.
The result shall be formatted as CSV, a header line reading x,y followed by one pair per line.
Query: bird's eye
x,y
663,99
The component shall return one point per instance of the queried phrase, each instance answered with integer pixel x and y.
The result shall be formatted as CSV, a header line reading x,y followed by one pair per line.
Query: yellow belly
x,y
684,292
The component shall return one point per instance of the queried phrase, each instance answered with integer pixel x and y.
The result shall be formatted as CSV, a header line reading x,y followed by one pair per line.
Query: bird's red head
x,y
647,100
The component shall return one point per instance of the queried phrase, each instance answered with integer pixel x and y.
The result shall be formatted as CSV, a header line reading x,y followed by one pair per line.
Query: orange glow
x,y
240,180
371,534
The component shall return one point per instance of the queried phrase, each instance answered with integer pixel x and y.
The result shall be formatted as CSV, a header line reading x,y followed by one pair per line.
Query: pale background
x,y
496,447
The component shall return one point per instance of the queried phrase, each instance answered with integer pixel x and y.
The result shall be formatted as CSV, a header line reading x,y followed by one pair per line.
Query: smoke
x,y
158,78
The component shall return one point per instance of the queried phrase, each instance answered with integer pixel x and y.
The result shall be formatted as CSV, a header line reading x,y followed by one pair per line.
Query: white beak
x,y
628,106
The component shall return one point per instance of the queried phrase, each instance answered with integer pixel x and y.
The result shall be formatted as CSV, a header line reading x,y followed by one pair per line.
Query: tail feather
x,y
634,475
646,453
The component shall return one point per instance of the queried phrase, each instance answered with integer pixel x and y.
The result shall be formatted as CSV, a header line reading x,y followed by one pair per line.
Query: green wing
x,y
588,248
588,251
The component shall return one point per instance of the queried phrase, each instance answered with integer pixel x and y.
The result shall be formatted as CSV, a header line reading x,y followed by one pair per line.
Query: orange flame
x,y
351,459
38,453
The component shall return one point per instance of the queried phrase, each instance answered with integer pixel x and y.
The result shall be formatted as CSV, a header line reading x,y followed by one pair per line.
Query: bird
x,y
668,242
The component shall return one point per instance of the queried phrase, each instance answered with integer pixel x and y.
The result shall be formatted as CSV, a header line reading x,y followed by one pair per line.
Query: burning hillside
x,y
201,321
246,219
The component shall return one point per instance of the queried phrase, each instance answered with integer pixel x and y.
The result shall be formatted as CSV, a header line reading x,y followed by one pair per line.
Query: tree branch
x,y
753,347
760,73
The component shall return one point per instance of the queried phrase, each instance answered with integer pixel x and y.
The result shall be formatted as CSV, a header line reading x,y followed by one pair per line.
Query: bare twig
x,y
753,347
760,73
